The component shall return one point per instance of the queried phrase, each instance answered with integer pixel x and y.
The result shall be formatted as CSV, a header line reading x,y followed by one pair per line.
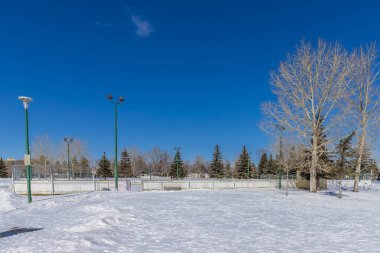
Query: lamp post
x,y
281,129
177,158
116,103
26,101
69,140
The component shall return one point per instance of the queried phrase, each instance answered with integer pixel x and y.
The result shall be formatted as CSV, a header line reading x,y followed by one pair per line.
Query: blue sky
x,y
193,72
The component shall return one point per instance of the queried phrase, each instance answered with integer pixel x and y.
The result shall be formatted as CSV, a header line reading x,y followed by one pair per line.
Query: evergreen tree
x,y
216,165
177,165
254,171
271,167
3,169
228,169
345,154
263,165
368,164
243,166
104,169
125,164
366,159
84,166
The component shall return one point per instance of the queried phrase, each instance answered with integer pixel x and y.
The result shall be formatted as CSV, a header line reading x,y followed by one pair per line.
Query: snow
x,y
192,221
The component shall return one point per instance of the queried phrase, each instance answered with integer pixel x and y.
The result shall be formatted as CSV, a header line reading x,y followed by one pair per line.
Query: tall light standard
x,y
177,159
69,140
281,129
26,101
116,103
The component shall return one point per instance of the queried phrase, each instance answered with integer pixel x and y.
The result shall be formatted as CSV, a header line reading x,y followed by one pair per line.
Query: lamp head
x,y
109,97
121,99
25,101
68,139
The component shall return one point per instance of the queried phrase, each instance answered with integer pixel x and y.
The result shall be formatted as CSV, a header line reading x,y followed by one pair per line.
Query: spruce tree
x,y
3,169
216,165
177,165
254,171
366,160
228,169
243,166
345,154
104,169
125,165
271,167
263,165
84,166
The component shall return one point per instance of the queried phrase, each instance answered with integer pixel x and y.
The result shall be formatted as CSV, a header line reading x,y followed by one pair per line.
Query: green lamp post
x,y
69,140
116,103
26,101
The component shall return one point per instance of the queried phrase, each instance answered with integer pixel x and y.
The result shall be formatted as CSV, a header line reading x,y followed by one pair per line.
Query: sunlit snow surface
x,y
192,221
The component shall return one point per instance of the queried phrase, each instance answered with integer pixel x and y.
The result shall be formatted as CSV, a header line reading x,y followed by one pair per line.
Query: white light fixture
x,y
25,100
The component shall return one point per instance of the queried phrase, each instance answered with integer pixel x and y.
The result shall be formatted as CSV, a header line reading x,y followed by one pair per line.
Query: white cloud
x,y
144,28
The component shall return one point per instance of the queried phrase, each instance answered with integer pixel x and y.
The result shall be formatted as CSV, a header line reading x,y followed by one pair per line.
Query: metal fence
x,y
49,171
210,184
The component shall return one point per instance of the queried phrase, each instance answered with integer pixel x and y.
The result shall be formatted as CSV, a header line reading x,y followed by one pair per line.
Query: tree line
x,y
158,163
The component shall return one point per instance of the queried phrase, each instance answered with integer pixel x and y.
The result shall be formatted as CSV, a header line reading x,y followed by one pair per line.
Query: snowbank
x,y
194,221
6,195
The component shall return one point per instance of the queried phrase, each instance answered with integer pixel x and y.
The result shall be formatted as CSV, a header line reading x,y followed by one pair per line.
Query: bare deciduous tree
x,y
308,85
43,151
363,99
199,166
138,162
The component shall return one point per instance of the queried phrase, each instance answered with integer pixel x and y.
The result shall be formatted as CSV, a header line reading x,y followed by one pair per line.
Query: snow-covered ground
x,y
191,221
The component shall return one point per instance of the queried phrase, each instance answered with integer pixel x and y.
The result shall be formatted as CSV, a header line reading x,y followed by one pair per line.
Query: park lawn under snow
x,y
192,221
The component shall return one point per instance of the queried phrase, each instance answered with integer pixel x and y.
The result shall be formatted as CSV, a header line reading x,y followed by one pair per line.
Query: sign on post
x,y
27,160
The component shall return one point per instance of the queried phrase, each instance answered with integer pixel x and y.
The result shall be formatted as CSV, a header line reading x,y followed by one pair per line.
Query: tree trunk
x,y
313,167
360,157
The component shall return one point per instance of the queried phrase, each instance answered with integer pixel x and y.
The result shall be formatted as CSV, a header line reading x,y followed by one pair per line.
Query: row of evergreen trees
x,y
244,167
125,167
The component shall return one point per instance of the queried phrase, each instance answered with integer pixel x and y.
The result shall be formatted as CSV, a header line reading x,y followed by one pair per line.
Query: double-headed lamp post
x,y
116,103
26,101
177,158
69,140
